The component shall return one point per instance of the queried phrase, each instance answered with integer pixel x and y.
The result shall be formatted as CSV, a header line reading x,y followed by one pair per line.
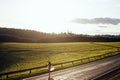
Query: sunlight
x,y
56,15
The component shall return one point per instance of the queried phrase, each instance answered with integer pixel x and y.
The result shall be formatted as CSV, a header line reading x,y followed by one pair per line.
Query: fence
x,y
43,69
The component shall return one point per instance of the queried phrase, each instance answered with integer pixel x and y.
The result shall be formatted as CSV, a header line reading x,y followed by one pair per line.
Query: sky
x,y
77,16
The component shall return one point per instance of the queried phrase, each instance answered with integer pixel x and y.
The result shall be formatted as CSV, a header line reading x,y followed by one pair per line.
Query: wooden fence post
x,y
95,57
81,61
88,59
30,72
73,63
6,75
61,65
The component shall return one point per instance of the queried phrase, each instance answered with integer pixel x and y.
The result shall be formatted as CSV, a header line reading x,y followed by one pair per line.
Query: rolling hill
x,y
22,35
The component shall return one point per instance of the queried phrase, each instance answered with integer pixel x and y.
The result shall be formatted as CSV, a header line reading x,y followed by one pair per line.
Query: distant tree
x,y
21,35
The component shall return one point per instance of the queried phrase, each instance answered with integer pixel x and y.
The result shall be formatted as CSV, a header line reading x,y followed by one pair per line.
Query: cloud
x,y
113,21
103,26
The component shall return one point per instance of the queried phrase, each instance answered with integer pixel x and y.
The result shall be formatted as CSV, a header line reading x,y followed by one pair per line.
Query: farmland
x,y
17,56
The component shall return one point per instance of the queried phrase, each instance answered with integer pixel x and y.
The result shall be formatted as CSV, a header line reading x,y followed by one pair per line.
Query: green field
x,y
18,56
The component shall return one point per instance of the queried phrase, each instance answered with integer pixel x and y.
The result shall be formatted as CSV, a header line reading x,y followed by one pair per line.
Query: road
x,y
82,72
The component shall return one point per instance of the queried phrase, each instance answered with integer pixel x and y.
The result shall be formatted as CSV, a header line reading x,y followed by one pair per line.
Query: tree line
x,y
22,35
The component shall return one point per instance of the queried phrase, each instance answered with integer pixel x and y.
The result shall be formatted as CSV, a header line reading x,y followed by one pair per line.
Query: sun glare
x,y
56,15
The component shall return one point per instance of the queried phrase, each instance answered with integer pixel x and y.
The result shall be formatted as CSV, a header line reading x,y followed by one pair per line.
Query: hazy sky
x,y
78,16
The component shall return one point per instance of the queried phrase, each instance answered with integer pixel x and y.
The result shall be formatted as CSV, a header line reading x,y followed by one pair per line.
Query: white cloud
x,y
113,21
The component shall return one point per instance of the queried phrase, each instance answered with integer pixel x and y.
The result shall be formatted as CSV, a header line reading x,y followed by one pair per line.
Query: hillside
x,y
10,34
22,35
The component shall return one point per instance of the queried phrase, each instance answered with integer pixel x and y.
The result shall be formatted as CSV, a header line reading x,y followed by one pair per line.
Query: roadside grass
x,y
116,77
18,56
